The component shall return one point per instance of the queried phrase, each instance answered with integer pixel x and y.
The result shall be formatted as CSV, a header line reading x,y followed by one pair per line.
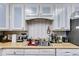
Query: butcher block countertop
x,y
22,45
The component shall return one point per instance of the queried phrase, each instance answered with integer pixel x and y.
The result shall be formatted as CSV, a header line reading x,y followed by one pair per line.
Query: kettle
x,y
3,37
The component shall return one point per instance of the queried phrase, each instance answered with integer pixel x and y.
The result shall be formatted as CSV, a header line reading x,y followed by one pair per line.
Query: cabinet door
x,y
6,52
65,17
19,51
46,10
67,52
12,52
17,17
4,16
31,52
75,52
62,18
47,52
55,24
56,17
40,52
31,10
64,52
70,13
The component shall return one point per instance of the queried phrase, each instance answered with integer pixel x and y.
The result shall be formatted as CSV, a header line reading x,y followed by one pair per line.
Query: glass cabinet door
x,y
62,19
4,17
46,9
17,17
31,10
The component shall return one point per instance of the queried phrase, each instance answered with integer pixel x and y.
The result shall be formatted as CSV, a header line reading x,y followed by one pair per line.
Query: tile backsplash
x,y
62,33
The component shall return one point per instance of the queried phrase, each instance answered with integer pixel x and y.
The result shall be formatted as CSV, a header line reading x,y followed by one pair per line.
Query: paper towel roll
x,y
14,38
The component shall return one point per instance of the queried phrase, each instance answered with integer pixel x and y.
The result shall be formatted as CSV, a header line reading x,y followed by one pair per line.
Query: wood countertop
x,y
22,45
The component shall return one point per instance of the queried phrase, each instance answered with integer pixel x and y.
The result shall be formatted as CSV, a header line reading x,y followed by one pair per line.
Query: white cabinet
x,y
61,18
17,17
47,52
46,10
69,12
4,17
65,18
31,52
58,18
18,13
55,23
67,52
75,52
6,52
19,51
40,52
64,52
31,10
38,11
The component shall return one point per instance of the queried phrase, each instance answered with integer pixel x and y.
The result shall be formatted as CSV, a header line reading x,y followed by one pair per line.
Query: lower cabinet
x,y
13,52
19,51
40,52
8,52
31,52
37,52
67,52
47,52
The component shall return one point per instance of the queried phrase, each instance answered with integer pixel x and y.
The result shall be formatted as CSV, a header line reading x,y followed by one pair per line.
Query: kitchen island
x,y
55,49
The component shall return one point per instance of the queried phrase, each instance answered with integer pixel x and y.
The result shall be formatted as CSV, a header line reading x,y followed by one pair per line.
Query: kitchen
x,y
39,29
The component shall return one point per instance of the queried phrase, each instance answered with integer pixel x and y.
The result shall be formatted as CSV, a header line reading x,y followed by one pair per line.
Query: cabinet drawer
x,y
19,51
47,51
13,52
8,52
64,52
67,52
75,52
40,52
31,52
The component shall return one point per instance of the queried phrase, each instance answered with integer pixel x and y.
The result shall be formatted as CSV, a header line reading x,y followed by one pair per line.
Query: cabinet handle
x,y
75,54
67,52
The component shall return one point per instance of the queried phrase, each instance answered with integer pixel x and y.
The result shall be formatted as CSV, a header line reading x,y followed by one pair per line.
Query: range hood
x,y
39,18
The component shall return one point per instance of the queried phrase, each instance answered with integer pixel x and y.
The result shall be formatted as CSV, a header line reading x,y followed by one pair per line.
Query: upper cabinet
x,y
46,10
38,11
31,10
62,16
68,14
14,16
17,17
4,17
75,12
59,18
